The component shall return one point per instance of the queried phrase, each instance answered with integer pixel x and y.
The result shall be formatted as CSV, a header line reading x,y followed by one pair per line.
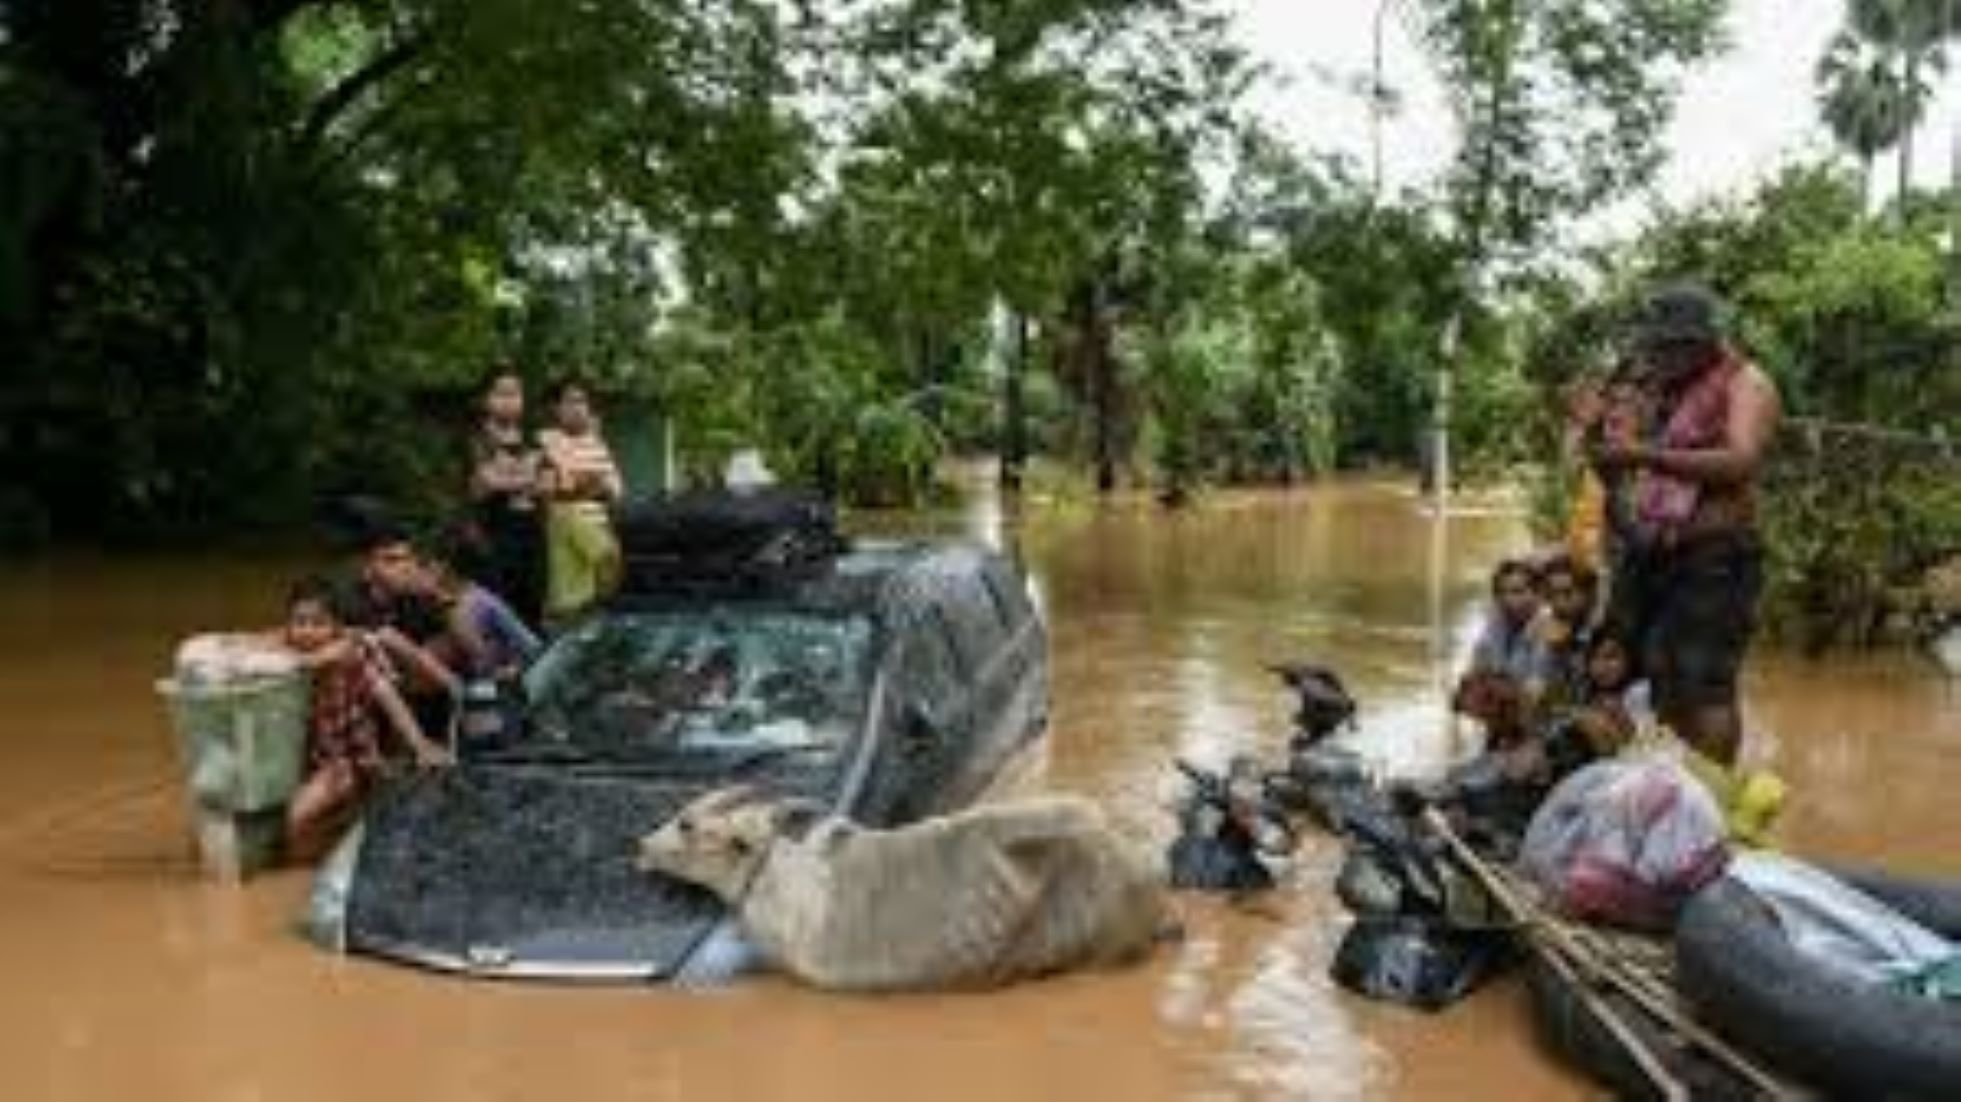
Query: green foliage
x,y
246,248
244,243
1563,103
1861,98
1243,382
1850,522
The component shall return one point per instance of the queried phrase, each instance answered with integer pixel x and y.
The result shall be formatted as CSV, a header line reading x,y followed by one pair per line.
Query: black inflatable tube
x,y
1735,966
1568,1027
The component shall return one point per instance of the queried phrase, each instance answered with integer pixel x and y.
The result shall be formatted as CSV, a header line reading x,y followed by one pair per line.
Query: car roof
x,y
861,579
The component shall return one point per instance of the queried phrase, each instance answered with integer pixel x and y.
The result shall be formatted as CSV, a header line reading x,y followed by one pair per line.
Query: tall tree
x,y
272,222
1861,100
1910,34
1562,106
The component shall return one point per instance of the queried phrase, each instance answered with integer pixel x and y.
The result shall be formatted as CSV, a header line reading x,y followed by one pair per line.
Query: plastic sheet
x,y
1626,842
1837,925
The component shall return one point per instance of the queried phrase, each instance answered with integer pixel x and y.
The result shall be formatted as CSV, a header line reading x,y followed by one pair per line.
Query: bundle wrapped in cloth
x,y
223,659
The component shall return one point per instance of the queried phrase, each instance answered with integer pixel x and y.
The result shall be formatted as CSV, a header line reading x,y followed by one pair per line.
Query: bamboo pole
x,y
1651,1065
1553,941
1664,1080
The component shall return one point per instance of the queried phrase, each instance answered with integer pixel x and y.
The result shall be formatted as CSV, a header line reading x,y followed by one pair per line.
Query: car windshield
x,y
702,684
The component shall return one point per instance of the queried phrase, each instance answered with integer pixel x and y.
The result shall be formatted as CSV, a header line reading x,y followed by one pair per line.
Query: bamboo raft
x,y
1624,983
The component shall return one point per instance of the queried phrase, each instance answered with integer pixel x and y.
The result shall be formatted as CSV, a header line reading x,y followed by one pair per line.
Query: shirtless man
x,y
1687,589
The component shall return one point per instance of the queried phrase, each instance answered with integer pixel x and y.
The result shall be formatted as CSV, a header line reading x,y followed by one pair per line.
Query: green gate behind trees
x,y
642,438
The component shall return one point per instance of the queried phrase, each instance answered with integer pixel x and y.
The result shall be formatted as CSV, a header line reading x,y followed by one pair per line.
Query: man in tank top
x,y
1686,591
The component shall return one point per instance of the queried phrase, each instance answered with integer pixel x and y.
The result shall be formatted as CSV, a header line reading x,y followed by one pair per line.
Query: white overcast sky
x,y
1739,116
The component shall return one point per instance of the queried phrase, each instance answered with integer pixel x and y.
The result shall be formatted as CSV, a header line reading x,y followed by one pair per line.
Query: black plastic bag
x,y
1214,864
1226,827
1491,807
1417,960
716,539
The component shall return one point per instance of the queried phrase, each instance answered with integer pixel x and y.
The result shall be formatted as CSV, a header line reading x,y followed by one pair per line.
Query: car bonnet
x,y
528,872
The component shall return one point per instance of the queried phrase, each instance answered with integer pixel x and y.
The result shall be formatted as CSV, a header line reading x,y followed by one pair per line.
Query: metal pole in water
x,y
1440,475
1446,369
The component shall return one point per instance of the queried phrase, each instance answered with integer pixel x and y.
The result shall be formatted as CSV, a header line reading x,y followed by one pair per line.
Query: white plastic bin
x,y
243,743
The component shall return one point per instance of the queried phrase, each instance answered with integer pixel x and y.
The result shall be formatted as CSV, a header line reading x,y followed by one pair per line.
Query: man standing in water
x,y
1687,587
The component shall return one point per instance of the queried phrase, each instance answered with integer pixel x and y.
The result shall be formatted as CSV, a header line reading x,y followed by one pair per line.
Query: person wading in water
x,y
1686,591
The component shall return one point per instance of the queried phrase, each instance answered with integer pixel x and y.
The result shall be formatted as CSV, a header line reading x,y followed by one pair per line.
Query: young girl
x,y
584,484
1617,411
1617,707
352,695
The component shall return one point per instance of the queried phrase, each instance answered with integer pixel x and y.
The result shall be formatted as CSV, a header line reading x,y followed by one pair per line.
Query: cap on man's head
x,y
1680,313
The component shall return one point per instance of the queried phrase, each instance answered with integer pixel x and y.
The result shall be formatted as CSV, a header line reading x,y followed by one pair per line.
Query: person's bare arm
x,y
494,474
315,659
417,660
463,629
610,487
606,483
427,751
1753,415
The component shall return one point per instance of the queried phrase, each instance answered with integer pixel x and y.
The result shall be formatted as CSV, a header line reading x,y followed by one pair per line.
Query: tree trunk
x,y
1102,364
1906,176
927,368
1954,216
1014,426
1475,233
1910,67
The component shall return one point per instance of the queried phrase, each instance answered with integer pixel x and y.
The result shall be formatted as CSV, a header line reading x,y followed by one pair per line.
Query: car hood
x,y
520,872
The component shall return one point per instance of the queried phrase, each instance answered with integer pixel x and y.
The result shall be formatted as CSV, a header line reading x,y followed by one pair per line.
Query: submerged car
x,y
886,681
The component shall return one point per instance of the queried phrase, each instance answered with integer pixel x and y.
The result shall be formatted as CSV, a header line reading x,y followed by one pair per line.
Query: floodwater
x,y
125,975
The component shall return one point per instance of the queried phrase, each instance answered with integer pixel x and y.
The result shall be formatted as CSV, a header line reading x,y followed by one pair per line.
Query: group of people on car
x,y
392,647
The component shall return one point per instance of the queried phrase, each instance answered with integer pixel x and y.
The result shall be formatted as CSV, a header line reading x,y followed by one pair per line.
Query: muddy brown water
x,y
123,975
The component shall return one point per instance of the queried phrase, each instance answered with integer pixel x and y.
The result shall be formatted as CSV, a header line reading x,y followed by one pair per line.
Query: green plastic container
x,y
242,743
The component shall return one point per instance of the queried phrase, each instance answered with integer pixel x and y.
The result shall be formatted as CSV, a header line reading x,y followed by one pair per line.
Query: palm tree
x,y
1861,101
1911,35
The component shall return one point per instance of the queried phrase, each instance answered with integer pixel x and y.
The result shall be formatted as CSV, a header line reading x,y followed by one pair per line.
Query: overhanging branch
x,y
345,94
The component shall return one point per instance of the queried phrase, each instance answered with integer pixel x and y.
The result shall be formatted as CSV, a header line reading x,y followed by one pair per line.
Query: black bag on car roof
x,y
719,537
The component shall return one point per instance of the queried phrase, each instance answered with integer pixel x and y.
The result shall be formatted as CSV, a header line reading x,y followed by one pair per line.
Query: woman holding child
x,y
506,485
543,509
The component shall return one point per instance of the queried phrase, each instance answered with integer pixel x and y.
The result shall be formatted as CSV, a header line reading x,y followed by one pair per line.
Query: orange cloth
x,y
1586,523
